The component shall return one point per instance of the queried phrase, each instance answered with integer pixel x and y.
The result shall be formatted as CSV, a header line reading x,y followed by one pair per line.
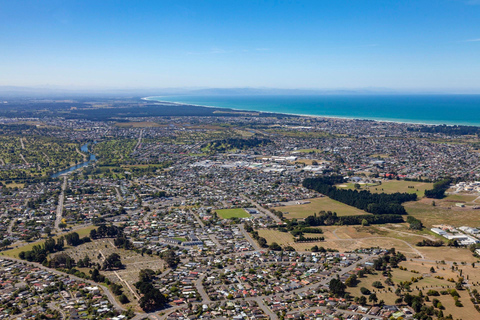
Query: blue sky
x,y
408,44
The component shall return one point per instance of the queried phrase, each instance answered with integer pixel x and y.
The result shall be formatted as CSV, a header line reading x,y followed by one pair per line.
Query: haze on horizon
x,y
402,45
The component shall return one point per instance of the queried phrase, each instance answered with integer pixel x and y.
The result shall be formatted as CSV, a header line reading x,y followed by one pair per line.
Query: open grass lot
x,y
444,212
428,282
462,198
301,211
403,186
282,238
393,186
232,213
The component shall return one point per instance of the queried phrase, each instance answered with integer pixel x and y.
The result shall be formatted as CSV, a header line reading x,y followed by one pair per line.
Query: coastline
x,y
399,121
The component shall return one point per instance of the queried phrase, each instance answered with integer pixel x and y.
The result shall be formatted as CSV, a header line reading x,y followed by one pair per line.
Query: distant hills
x,y
8,92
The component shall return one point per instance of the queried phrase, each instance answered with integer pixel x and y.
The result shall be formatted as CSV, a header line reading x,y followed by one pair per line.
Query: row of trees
x,y
316,248
376,203
429,243
308,239
331,218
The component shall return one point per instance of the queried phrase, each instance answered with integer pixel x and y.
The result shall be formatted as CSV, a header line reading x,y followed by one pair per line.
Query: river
x,y
84,148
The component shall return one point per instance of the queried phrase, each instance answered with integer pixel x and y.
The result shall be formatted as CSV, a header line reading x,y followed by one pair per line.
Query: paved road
x,y
139,142
23,158
197,218
10,226
61,198
265,309
214,240
201,289
249,238
119,195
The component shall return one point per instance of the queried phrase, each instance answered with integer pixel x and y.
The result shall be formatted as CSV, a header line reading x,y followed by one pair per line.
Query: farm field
x,y
232,213
301,211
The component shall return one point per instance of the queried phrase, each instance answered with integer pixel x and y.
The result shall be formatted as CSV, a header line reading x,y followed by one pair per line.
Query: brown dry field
x,y
342,238
445,211
346,238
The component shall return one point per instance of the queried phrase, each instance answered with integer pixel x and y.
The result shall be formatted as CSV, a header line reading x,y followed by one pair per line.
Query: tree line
x,y
308,239
439,188
331,218
376,203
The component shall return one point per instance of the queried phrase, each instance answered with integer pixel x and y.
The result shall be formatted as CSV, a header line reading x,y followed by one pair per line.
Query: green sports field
x,y
232,213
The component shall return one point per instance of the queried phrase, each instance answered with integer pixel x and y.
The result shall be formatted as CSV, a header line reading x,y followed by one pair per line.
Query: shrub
x,y
364,291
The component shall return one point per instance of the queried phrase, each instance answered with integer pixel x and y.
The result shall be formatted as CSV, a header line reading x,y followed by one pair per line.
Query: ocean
x,y
428,109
